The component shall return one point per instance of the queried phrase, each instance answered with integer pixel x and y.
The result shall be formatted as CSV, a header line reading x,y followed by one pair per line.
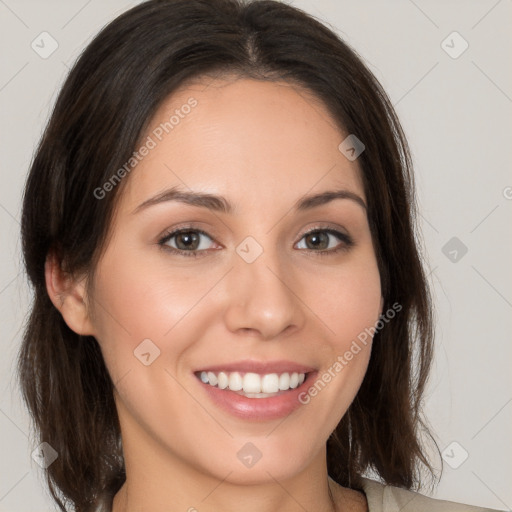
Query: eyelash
x,y
346,241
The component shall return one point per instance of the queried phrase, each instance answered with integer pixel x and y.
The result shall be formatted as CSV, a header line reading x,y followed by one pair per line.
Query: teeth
x,y
222,380
235,382
284,381
269,383
254,385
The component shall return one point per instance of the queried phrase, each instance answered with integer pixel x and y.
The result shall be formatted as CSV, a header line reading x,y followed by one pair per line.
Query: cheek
x,y
137,308
350,300
349,308
134,302
137,299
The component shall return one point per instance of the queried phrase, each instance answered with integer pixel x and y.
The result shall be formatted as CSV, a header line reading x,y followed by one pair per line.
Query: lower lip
x,y
254,409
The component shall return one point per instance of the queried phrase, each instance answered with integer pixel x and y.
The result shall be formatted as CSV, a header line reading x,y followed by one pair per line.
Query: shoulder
x,y
387,498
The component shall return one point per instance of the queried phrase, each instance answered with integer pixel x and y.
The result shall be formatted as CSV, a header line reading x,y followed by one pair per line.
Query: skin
x,y
263,146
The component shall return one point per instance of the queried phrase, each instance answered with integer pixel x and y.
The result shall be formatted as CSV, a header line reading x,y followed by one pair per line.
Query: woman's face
x,y
250,285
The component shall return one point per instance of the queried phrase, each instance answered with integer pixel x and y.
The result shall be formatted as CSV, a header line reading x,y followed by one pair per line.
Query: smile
x,y
252,396
253,385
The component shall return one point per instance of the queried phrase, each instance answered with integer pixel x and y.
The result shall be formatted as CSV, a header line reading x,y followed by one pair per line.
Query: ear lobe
x,y
68,296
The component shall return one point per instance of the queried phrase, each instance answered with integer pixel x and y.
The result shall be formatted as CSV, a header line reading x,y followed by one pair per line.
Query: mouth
x,y
251,384
256,397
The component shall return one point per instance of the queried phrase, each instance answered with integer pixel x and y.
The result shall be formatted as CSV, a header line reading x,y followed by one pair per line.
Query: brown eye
x,y
187,242
318,240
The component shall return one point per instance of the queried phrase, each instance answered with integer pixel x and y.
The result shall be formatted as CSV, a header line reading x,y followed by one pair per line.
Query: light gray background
x,y
457,115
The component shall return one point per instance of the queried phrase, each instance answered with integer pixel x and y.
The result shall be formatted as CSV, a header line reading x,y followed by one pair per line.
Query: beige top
x,y
386,498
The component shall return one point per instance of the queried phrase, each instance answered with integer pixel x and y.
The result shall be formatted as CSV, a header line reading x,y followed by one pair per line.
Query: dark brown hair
x,y
106,102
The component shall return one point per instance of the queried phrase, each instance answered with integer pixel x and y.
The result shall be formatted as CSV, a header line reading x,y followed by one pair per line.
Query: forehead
x,y
242,138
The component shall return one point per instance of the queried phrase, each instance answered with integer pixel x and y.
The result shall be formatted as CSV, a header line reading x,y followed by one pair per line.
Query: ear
x,y
68,296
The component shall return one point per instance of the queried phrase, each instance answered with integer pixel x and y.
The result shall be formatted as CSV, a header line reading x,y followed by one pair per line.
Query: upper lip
x,y
261,367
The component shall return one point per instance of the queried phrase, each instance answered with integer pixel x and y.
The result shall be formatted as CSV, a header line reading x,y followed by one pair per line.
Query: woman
x,y
230,308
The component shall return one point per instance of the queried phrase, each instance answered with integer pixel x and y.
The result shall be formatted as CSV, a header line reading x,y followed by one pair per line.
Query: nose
x,y
263,298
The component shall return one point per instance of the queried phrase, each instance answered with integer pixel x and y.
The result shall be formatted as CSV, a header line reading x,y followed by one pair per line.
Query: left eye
x,y
319,239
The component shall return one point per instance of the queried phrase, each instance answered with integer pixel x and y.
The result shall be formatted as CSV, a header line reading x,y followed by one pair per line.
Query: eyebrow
x,y
221,204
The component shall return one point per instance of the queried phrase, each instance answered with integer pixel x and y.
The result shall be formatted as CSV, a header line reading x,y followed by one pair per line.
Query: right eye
x,y
188,241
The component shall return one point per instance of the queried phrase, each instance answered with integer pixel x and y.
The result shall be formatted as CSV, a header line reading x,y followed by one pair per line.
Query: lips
x,y
261,367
